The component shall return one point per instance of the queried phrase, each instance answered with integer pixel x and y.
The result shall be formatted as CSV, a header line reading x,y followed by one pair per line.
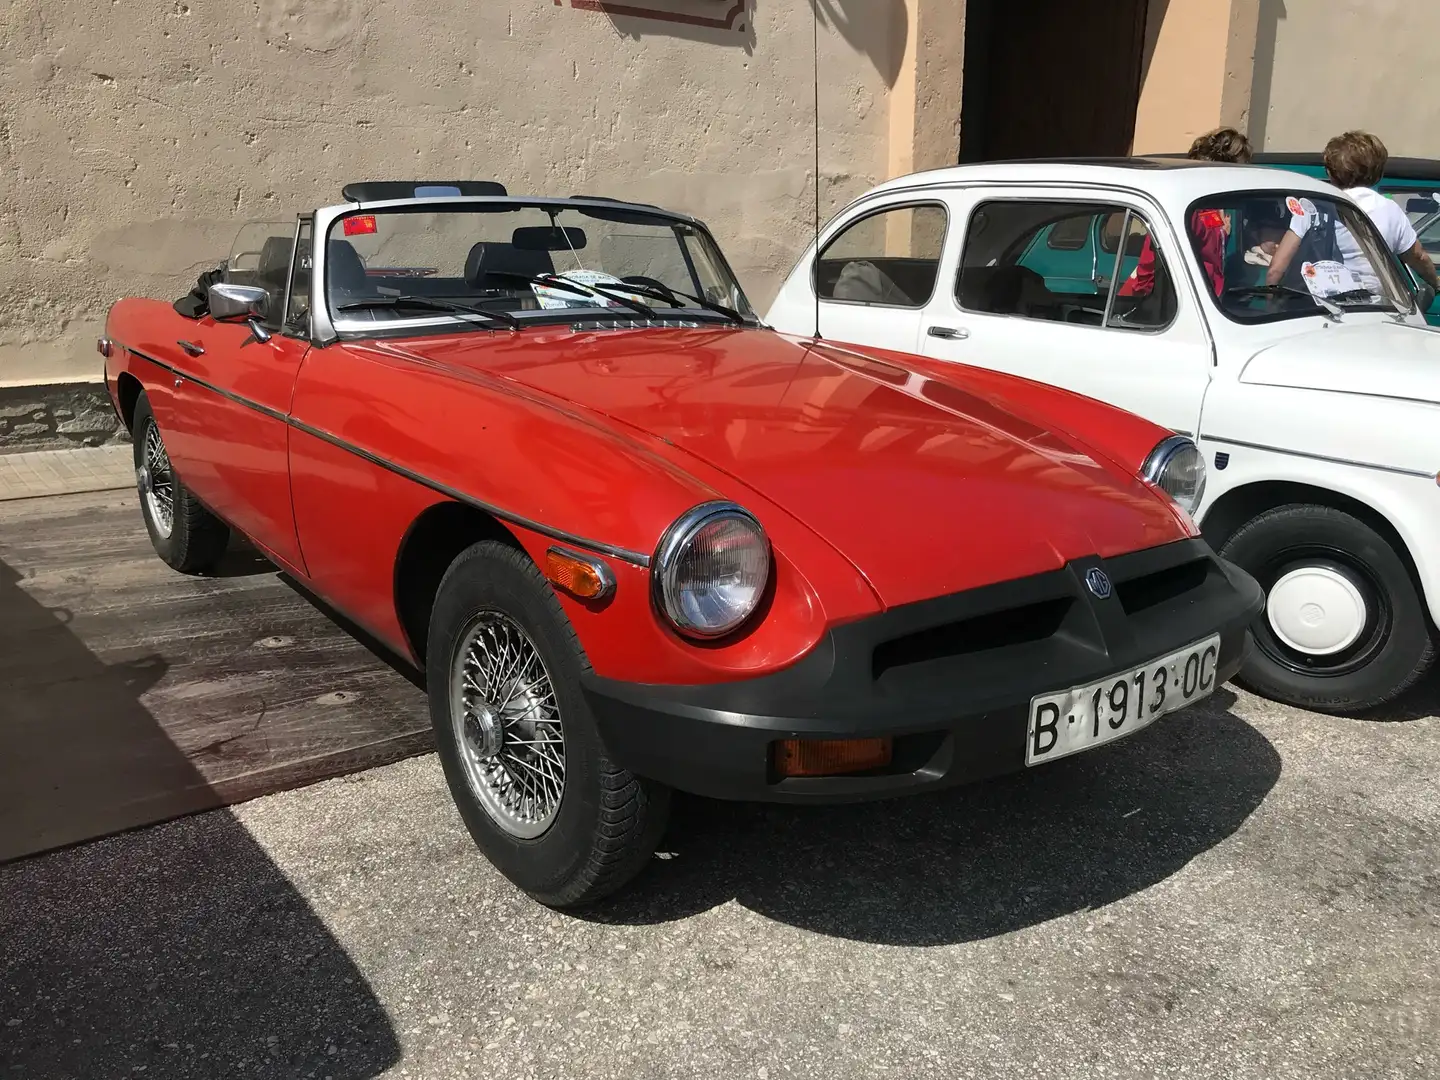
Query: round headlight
x,y
711,569
1177,468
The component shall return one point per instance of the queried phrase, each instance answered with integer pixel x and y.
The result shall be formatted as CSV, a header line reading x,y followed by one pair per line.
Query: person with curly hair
x,y
1209,228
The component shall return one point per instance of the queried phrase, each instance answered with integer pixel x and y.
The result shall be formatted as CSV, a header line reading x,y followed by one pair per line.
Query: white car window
x,y
1058,261
890,258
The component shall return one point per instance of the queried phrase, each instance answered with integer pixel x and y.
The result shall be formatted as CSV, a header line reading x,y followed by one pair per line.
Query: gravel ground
x,y
1242,891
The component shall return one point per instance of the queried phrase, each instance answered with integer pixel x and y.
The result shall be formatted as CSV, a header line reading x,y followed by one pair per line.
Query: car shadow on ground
x,y
972,862
1420,702
178,950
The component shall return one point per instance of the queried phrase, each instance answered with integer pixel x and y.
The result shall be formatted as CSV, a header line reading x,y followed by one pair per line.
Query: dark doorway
x,y
1050,78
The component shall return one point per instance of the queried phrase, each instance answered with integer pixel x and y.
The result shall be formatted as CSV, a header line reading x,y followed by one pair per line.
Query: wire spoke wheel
x,y
507,725
157,482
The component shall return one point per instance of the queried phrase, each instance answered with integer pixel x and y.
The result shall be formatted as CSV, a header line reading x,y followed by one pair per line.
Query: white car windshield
x,y
1332,262
520,263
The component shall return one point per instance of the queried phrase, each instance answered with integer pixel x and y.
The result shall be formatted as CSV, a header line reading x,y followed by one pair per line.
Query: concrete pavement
x,y
1242,891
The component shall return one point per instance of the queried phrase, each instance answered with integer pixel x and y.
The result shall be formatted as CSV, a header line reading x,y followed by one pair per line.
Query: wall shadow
x,y
973,862
878,28
730,24
1272,13
1154,19
174,950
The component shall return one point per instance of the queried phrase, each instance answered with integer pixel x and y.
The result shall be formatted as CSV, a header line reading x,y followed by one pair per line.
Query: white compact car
x,y
1252,309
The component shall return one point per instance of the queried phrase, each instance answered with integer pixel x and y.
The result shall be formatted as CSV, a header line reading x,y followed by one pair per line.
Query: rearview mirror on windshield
x,y
547,238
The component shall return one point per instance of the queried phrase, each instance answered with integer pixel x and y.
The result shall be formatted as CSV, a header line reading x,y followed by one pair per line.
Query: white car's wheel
x,y
1344,627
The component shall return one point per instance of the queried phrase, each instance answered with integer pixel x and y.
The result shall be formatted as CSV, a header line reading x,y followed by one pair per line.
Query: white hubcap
x,y
1316,611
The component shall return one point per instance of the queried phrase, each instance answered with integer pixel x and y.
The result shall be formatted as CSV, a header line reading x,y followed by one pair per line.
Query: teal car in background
x,y
1414,183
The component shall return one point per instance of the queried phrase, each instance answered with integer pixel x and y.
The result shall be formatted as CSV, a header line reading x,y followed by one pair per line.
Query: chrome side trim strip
x,y
1321,457
600,547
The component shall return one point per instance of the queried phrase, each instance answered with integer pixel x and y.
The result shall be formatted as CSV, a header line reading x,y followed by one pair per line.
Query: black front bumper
x,y
949,679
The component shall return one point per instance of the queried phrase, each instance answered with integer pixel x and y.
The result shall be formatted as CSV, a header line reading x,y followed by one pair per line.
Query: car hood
x,y
925,487
1376,359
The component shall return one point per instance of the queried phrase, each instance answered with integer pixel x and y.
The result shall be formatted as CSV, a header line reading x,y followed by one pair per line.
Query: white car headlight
x,y
1177,468
711,569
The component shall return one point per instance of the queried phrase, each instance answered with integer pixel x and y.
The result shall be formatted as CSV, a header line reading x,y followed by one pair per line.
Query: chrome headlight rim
x,y
1161,458
673,543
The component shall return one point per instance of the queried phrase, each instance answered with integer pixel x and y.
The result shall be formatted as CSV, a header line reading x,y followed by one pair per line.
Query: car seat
x,y
345,274
489,263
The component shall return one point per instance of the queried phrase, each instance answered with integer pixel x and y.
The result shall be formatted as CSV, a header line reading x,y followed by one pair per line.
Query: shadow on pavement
x,y
180,950
972,862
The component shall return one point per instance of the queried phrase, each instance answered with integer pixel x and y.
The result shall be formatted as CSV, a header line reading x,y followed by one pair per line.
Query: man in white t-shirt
x,y
1355,162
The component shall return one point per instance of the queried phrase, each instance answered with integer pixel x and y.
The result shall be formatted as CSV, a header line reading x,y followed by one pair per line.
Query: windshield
x,y
1428,230
510,263
1270,255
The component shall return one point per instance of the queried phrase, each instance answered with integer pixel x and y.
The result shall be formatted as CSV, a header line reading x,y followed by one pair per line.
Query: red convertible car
x,y
637,541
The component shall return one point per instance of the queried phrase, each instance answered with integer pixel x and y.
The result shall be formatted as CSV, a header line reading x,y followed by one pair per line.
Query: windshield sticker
x,y
1293,205
1327,278
360,225
552,298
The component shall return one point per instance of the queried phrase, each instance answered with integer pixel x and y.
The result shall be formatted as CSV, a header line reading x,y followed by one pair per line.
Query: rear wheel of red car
x,y
186,535
520,749
1344,628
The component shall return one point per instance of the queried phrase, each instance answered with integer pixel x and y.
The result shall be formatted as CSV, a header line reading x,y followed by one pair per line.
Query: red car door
x,y
230,432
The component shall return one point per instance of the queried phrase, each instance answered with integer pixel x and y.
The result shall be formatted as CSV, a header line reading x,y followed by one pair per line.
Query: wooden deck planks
x,y
130,694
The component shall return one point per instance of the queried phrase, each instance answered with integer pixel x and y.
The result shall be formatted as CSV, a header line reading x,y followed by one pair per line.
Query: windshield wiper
x,y
1289,290
550,281
675,296
432,304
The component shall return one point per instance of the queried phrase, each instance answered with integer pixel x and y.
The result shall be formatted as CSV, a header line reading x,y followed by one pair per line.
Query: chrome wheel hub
x,y
156,482
507,726
1316,610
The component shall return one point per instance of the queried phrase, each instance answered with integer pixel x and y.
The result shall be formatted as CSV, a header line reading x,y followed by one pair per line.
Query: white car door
x,y
1030,290
877,273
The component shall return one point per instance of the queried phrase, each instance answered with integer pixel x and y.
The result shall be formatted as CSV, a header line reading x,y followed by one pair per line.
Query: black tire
x,y
196,538
608,820
1397,643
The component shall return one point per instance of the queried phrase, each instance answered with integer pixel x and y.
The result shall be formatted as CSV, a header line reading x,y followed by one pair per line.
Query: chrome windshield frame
x,y
322,327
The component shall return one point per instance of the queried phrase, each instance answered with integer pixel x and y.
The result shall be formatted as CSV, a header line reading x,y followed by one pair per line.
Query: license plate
x,y
1085,717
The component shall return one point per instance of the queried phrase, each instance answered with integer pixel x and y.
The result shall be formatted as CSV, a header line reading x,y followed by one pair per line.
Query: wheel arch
x,y
431,543
1241,504
128,389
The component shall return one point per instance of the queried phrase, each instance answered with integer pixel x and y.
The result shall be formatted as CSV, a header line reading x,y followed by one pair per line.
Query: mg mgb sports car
x,y
639,542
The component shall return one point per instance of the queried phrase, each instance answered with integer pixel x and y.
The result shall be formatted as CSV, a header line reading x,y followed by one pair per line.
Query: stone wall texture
x,y
137,135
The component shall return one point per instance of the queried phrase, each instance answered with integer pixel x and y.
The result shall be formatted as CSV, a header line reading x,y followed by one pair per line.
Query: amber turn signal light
x,y
588,579
831,757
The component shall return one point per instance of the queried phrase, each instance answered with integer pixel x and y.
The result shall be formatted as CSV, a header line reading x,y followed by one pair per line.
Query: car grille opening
x,y
1151,590
973,636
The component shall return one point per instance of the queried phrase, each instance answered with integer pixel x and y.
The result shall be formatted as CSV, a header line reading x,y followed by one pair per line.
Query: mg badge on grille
x,y
1098,583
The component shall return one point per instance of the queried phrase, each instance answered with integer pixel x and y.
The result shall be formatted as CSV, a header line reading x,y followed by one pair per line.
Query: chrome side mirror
x,y
244,302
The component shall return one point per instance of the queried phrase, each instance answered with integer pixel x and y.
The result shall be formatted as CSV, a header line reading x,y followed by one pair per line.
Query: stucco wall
x,y
1323,66
136,135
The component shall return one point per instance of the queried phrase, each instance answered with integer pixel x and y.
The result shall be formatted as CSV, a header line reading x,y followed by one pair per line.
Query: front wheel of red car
x,y
186,536
520,749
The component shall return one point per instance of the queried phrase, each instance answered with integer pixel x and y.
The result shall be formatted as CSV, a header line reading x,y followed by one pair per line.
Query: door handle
x,y
950,333
191,348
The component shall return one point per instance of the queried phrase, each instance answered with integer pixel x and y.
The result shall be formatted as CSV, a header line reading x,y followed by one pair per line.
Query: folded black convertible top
x,y
196,303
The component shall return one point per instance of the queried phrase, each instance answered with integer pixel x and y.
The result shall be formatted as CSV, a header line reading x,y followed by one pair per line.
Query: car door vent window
x,y
1058,261
890,258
